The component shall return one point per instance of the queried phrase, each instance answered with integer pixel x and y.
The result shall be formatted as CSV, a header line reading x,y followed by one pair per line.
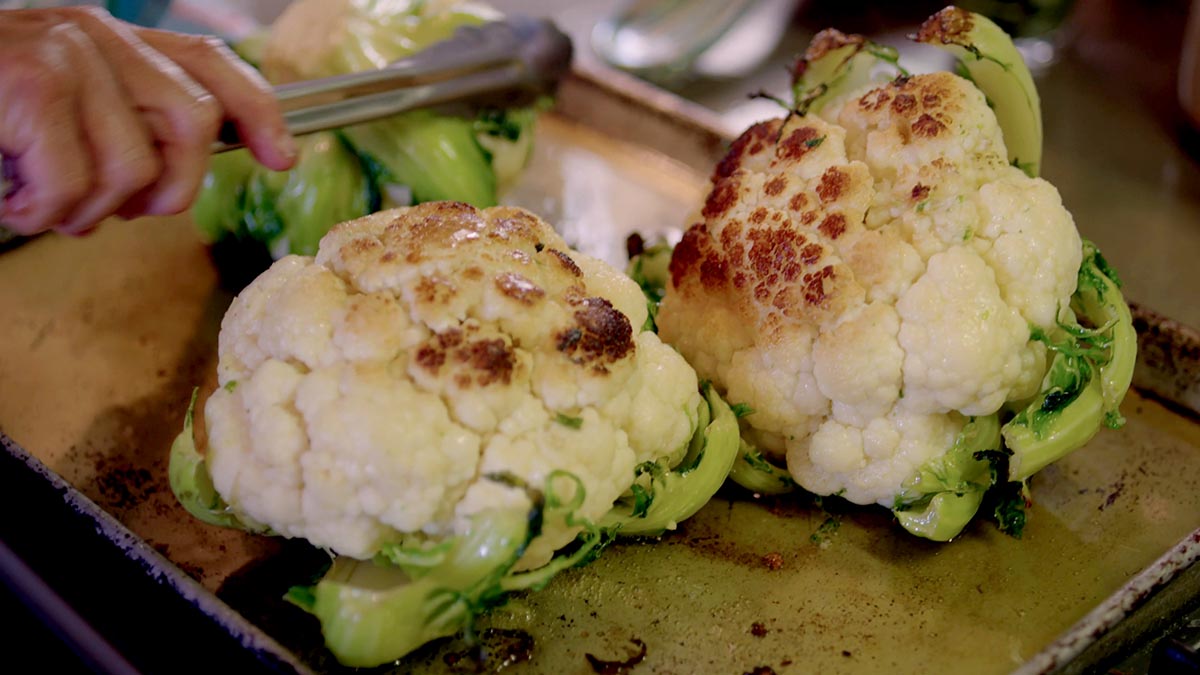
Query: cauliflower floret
x,y
1030,242
964,348
865,281
777,381
866,464
368,393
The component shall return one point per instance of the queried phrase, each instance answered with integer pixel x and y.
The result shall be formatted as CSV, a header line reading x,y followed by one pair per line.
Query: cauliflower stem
x,y
373,612
675,494
835,65
756,473
1088,378
987,56
942,497
377,611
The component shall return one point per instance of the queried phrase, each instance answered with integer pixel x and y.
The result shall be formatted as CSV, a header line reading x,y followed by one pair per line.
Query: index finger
x,y
244,95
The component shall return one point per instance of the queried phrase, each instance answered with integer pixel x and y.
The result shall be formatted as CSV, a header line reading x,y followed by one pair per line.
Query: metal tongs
x,y
503,63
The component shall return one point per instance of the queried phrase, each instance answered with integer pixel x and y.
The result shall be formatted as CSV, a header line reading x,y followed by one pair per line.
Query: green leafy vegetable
x,y
217,210
1011,499
287,211
741,410
507,138
436,157
413,157
825,531
650,270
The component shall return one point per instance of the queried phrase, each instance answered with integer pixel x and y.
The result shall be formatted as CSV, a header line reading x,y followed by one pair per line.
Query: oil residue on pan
x,y
122,324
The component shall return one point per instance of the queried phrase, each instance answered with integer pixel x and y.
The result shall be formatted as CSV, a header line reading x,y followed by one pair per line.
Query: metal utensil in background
x,y
503,63
671,41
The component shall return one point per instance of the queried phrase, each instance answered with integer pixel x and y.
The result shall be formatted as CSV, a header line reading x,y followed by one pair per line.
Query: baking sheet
x,y
105,337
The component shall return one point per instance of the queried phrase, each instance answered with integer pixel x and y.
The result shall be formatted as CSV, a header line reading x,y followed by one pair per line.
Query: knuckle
x,y
63,195
203,47
207,113
194,121
214,45
136,171
44,74
87,13
72,187
36,78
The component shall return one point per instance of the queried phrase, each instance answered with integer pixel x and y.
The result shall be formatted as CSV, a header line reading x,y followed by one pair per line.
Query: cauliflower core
x,y
367,393
866,281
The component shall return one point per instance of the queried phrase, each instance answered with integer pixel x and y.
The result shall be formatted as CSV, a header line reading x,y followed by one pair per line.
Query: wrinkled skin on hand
x,y
100,117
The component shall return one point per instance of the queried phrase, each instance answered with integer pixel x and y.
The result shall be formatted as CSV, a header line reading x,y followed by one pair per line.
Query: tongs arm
x,y
506,62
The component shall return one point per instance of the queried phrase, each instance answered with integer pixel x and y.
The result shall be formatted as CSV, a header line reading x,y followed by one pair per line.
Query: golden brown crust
x,y
766,247
474,360
921,107
948,26
519,288
753,143
442,257
601,336
567,263
829,40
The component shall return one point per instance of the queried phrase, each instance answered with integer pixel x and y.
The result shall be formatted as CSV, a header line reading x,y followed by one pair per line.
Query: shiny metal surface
x,y
519,58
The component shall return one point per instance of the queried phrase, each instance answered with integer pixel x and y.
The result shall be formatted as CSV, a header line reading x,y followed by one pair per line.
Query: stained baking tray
x,y
105,337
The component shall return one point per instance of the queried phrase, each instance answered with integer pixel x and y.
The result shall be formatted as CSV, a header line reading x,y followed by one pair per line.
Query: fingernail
x,y
286,144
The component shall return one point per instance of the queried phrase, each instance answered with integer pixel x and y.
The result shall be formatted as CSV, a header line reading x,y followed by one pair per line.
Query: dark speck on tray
x,y
618,667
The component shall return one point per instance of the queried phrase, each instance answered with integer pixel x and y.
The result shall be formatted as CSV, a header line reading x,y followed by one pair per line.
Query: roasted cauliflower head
x,y
867,280
367,392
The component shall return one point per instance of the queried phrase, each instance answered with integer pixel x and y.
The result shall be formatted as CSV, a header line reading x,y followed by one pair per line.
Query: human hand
x,y
100,117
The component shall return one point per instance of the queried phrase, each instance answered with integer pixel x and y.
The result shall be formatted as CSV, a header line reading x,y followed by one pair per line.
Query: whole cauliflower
x,y
867,282
367,393
458,406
